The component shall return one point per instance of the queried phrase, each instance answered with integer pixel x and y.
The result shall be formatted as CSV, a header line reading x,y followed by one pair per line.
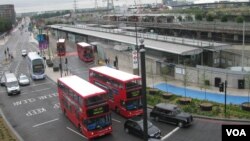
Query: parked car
x,y
23,80
2,80
11,84
135,126
24,53
171,114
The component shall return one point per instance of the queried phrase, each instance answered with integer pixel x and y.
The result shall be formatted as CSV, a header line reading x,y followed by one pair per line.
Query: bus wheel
x,y
117,110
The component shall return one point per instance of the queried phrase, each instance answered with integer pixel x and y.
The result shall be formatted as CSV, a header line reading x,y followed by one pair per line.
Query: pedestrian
x,y
116,60
108,60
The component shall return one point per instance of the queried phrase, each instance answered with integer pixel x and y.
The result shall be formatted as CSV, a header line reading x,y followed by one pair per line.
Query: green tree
x,y
189,18
248,84
198,17
239,19
210,17
180,18
224,18
165,72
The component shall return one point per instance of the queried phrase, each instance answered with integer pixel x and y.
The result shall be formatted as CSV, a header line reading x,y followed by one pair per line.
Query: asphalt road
x,y
35,113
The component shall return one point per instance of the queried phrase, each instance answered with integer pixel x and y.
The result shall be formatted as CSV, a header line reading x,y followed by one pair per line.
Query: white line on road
x,y
76,132
45,122
33,85
116,120
170,133
35,91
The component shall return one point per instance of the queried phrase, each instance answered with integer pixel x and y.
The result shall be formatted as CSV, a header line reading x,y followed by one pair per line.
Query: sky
x,y
22,6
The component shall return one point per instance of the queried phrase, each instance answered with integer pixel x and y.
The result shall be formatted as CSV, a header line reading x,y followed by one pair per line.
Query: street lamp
x,y
144,96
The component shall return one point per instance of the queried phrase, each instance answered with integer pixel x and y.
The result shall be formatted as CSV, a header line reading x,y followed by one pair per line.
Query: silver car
x,y
23,80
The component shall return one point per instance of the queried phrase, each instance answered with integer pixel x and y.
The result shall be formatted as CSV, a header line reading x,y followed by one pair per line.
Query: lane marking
x,y
35,91
33,85
45,122
116,120
170,133
76,132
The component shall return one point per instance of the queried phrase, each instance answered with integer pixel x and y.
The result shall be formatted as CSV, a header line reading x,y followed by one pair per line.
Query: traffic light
x,y
221,87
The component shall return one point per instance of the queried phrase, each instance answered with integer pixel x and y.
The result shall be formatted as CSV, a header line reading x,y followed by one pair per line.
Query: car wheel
x,y
157,118
180,124
126,130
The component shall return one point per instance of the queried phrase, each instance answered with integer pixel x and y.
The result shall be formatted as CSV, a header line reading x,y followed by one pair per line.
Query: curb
x,y
10,128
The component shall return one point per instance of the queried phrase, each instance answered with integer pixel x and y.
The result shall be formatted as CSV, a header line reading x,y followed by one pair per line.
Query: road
x,y
36,116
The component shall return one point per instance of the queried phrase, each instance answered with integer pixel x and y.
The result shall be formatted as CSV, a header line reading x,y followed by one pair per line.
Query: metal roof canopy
x,y
132,28
151,44
108,26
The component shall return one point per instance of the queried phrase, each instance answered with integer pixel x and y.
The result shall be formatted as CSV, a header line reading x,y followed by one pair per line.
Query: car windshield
x,y
23,77
12,84
141,124
177,111
98,123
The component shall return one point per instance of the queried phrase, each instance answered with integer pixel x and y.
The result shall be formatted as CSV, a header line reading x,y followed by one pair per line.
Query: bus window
x,y
98,123
95,100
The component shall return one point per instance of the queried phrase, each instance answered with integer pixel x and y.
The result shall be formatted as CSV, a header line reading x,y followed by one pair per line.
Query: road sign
x,y
134,59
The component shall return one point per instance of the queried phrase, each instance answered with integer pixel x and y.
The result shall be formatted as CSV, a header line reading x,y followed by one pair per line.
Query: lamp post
x,y
144,96
137,48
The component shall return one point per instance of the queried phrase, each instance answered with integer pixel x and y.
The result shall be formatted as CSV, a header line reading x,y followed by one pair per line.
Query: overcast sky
x,y
47,5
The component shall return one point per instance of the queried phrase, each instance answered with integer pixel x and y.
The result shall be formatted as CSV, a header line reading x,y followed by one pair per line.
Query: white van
x,y
11,84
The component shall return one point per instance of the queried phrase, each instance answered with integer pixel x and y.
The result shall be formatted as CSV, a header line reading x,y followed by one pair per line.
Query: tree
x,y
165,72
189,18
198,17
210,17
248,84
204,84
224,18
239,19
180,18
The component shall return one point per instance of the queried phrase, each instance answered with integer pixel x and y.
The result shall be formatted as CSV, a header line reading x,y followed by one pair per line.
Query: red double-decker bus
x,y
124,89
61,48
85,52
85,105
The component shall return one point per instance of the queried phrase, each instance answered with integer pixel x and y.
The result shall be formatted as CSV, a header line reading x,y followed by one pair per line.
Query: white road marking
x,y
32,85
170,133
45,122
116,120
35,91
76,132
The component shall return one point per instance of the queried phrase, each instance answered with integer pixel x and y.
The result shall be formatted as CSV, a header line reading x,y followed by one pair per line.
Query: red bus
x,y
124,89
85,52
61,48
85,105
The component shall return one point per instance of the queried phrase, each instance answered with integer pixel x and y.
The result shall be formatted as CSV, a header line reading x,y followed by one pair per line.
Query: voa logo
x,y
236,132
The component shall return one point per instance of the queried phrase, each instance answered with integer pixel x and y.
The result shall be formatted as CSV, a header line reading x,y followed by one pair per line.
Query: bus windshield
x,y
96,100
132,104
38,66
98,123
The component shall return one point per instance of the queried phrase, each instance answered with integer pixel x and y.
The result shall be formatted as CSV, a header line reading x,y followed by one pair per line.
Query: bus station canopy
x,y
169,47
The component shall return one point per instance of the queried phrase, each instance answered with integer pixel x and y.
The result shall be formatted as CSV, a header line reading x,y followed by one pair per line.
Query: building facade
x,y
8,12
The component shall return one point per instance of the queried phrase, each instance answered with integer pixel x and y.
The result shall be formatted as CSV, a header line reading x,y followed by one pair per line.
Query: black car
x,y
171,114
135,126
